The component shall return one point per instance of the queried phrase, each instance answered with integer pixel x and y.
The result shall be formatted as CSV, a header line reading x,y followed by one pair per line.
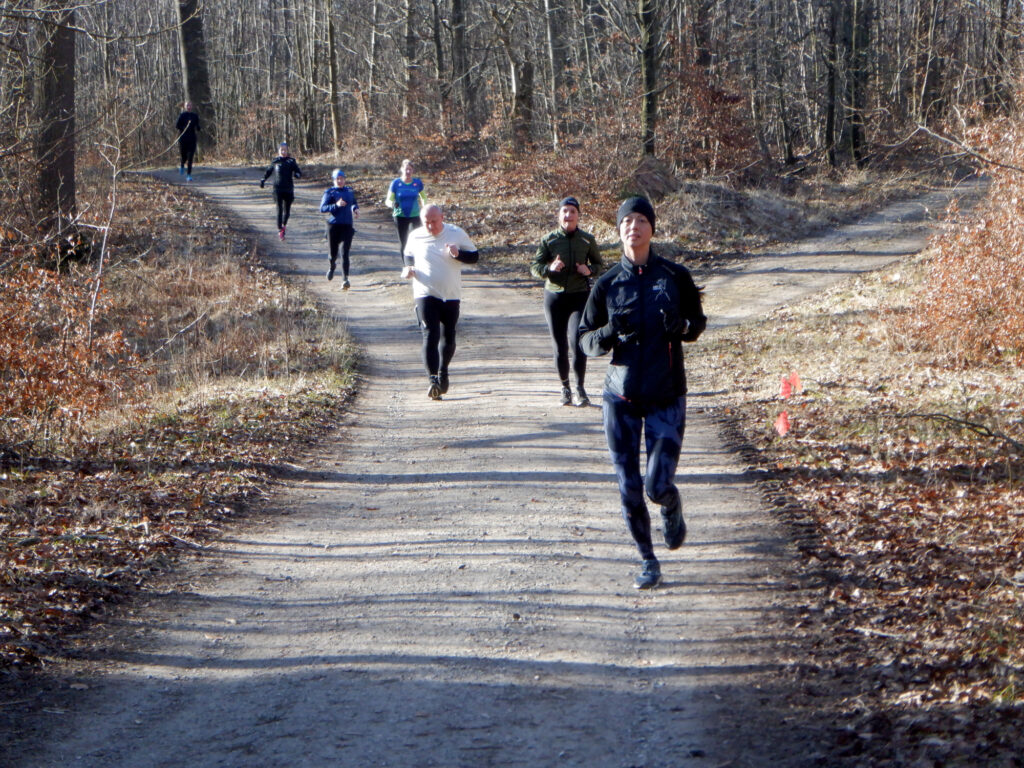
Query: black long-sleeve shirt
x,y
188,127
283,169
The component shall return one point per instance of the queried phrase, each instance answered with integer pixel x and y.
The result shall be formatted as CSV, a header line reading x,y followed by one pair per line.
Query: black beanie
x,y
570,201
635,205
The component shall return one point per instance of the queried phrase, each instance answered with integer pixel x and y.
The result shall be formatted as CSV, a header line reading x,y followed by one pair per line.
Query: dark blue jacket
x,y
339,214
626,315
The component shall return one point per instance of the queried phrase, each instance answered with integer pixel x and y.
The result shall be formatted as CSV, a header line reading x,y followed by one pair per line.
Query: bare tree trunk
x,y
555,22
522,103
444,103
831,101
460,67
332,65
371,82
410,58
647,11
55,112
192,47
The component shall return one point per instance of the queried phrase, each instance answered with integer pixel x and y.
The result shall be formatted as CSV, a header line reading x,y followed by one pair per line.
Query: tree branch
x,y
980,429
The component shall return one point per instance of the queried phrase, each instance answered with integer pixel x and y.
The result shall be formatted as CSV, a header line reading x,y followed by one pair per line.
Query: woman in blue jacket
x,y
339,203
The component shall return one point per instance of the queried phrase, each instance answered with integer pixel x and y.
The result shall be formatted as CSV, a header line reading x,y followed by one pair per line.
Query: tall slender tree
x,y
192,48
54,101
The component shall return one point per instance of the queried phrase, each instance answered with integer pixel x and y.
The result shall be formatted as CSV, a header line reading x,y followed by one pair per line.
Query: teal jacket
x,y
579,247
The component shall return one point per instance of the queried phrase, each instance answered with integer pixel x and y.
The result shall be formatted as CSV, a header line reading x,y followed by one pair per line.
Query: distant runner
x,y
188,129
640,310
405,196
284,168
566,260
339,202
434,257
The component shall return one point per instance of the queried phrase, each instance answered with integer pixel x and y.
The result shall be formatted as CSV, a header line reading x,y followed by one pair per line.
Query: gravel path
x,y
450,583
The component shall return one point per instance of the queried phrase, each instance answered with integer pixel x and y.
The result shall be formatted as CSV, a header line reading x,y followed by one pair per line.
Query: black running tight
x,y
563,312
437,322
284,206
340,234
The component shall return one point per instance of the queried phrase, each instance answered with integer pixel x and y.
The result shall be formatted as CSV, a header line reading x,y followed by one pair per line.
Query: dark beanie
x,y
570,201
635,205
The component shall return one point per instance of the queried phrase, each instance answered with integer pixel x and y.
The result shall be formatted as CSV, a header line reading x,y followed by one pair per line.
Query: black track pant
x,y
284,206
188,152
340,234
404,225
437,323
563,312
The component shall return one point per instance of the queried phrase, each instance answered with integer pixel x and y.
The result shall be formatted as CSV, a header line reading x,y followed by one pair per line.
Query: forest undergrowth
x,y
888,415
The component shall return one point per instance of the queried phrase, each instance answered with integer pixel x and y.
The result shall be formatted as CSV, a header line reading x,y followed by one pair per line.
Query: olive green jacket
x,y
578,248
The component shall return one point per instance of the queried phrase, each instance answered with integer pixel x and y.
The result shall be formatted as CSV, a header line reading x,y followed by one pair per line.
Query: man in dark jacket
x,y
188,128
641,310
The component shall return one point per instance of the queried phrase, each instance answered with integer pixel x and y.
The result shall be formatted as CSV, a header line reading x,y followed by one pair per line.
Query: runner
x,y
640,310
339,202
405,196
284,168
566,260
434,257
188,128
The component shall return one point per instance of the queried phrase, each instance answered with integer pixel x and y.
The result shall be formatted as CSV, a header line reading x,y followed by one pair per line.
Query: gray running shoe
x,y
566,396
345,285
330,272
582,401
650,576
434,390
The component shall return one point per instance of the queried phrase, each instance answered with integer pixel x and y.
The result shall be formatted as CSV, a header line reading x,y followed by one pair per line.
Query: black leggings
x,y
340,234
188,151
284,206
563,312
405,224
438,348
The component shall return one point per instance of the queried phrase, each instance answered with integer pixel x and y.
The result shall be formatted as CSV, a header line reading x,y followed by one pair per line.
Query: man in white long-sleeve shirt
x,y
434,257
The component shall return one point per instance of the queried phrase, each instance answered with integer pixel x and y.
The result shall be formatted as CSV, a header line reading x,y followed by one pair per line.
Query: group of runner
x,y
640,310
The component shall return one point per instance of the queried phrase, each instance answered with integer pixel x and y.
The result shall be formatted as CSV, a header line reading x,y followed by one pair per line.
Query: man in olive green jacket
x,y
567,260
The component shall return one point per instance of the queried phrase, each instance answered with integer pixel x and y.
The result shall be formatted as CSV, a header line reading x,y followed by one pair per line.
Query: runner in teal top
x,y
405,196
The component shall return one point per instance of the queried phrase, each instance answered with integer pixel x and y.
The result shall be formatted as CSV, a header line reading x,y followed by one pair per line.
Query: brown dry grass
x,y
244,371
911,525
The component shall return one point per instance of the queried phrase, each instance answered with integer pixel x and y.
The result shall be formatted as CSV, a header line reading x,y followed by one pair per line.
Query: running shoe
x,y
345,284
581,397
181,171
330,273
650,576
566,396
280,233
434,390
673,525
442,382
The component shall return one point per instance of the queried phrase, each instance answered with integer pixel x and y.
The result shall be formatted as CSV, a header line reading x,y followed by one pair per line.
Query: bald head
x,y
433,219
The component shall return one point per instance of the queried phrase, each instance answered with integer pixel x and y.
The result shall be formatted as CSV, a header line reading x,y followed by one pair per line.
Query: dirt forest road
x,y
450,583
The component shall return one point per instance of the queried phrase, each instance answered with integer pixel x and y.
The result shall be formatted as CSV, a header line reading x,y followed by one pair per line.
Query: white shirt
x,y
437,273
